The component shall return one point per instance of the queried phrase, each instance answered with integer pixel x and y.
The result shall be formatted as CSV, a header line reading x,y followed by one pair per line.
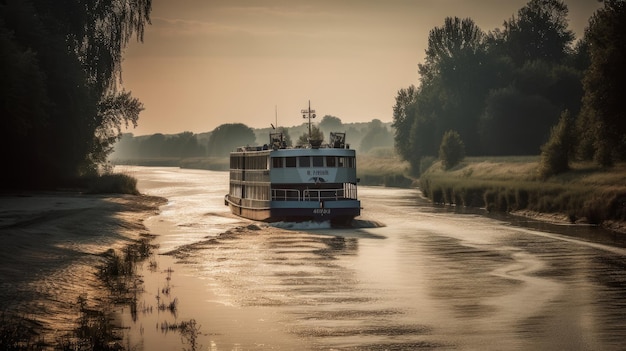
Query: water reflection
x,y
429,277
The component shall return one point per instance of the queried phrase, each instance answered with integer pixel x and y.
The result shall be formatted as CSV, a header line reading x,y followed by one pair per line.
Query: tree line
x,y
60,99
227,137
504,91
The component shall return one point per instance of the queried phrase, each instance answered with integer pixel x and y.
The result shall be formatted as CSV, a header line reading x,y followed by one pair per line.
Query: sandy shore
x,y
52,246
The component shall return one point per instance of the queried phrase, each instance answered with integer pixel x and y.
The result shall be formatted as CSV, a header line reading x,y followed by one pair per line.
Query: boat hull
x,y
337,212
238,207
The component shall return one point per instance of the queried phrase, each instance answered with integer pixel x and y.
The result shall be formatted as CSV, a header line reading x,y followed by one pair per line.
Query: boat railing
x,y
286,194
308,194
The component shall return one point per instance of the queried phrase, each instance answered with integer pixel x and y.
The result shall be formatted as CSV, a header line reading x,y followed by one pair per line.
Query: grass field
x,y
586,193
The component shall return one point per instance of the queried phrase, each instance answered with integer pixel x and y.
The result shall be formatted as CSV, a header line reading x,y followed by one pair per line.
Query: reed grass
x,y
381,167
112,183
586,193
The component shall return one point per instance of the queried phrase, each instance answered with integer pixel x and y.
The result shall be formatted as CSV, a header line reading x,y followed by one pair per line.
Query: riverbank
x,y
586,194
379,167
54,245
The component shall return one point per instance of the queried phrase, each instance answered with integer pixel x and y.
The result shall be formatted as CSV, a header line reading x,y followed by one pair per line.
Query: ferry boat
x,y
315,182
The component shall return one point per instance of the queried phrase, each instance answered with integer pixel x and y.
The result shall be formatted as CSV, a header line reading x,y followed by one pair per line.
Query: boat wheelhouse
x,y
279,183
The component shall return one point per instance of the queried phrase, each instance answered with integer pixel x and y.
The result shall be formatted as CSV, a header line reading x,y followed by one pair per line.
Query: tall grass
x,y
113,183
588,194
383,167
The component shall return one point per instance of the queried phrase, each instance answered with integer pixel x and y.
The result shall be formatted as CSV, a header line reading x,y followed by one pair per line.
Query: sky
x,y
204,63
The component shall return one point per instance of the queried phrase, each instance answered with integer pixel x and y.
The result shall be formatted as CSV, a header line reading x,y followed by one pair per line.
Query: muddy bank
x,y
53,245
562,218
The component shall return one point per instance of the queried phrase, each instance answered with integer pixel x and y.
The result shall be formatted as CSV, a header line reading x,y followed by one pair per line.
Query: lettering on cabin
x,y
318,172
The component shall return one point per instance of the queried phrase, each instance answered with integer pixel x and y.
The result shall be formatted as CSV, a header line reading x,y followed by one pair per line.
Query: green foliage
x,y
382,167
515,123
555,153
227,137
287,137
377,135
114,110
316,134
331,124
186,144
425,163
604,85
455,81
581,194
539,32
501,91
59,102
113,183
452,149
403,113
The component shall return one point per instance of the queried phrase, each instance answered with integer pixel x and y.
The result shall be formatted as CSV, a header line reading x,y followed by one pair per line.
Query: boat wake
x,y
307,225
313,225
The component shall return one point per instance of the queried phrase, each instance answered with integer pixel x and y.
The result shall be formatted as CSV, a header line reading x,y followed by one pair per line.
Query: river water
x,y
411,276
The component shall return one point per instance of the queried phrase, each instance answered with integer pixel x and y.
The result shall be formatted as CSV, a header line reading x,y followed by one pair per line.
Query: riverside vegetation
x,y
586,193
96,328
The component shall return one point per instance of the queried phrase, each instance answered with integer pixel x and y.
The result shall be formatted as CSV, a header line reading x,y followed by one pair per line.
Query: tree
x,y
556,152
287,137
316,134
449,45
331,124
114,110
604,85
515,123
377,135
538,33
227,137
73,68
457,76
452,149
403,114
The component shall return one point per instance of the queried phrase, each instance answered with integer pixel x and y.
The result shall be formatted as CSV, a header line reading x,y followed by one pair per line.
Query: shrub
x,y
555,152
113,183
452,149
425,163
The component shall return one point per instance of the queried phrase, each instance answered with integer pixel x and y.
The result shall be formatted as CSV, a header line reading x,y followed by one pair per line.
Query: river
x,y
411,276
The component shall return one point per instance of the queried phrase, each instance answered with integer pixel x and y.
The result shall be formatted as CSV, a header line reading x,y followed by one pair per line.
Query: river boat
x,y
315,182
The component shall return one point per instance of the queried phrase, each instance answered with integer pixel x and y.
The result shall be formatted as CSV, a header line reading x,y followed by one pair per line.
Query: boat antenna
x,y
308,113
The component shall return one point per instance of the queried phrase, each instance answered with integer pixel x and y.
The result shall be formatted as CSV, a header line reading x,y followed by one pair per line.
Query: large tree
x,y
403,113
227,137
69,52
539,32
603,122
455,79
376,135
501,91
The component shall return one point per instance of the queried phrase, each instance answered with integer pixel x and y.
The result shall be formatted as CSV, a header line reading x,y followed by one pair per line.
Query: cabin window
x,y
304,161
277,162
318,161
256,162
341,162
331,161
351,162
290,161
236,162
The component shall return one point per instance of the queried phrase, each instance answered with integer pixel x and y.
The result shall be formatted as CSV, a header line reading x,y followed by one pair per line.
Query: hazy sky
x,y
208,62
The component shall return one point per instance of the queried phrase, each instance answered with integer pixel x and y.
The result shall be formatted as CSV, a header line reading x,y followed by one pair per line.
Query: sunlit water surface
x,y
430,278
